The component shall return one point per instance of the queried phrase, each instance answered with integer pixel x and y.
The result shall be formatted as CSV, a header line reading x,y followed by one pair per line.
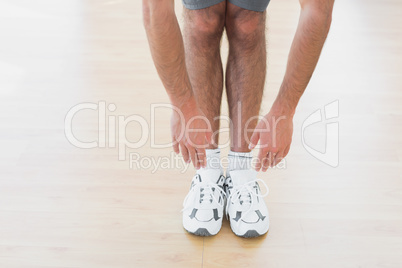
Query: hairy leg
x,y
245,73
203,31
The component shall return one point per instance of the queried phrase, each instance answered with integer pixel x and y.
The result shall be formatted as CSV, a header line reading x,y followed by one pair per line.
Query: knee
x,y
245,26
205,26
156,13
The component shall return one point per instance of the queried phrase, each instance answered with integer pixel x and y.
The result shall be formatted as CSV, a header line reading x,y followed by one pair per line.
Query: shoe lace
x,y
243,193
206,192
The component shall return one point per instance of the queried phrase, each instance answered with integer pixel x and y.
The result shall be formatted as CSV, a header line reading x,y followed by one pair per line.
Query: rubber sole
x,y
250,234
204,232
200,232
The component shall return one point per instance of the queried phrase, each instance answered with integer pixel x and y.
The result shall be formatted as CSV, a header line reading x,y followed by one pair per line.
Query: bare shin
x,y
246,70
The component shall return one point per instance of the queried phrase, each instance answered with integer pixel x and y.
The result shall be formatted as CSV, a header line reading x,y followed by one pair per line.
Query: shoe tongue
x,y
209,174
240,177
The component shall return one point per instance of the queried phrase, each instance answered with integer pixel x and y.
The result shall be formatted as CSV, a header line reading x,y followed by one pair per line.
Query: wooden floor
x,y
62,206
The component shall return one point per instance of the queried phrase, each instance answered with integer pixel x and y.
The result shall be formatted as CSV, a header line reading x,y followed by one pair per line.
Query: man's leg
x,y
203,207
245,78
203,31
246,69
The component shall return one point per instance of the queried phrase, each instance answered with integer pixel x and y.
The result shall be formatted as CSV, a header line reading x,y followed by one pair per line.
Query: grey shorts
x,y
254,5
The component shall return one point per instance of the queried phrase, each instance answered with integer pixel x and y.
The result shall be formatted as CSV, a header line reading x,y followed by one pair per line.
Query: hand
x,y
274,132
191,133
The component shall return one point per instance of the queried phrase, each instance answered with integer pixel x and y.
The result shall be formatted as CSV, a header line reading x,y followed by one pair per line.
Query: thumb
x,y
175,145
254,139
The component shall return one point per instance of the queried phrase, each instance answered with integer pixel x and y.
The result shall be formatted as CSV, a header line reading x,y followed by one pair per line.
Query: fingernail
x,y
250,146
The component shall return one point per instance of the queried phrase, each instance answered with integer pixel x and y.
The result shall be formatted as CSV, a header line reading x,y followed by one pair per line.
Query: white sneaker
x,y
203,205
245,204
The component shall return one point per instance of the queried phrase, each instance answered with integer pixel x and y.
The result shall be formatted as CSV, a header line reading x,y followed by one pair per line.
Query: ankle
x,y
213,158
239,160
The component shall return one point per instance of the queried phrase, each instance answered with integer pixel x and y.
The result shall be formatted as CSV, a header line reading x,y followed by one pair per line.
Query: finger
x,y
278,159
201,157
175,146
209,138
184,152
272,158
254,139
272,163
214,139
286,151
266,162
193,156
260,158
